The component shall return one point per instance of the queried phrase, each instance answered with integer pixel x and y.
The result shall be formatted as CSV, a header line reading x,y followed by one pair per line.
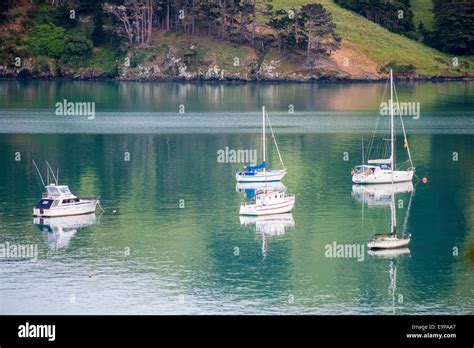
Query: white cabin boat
x,y
259,173
267,203
382,171
59,201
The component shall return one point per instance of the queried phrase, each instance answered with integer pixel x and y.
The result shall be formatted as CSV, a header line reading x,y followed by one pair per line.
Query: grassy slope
x,y
422,12
380,46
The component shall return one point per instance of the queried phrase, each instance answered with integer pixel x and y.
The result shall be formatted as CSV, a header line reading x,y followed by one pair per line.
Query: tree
x,y
98,35
284,25
77,49
136,17
4,6
395,15
453,28
46,40
321,36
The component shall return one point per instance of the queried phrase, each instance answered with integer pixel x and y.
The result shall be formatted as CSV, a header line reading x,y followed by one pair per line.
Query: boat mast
x,y
264,141
263,131
393,213
392,155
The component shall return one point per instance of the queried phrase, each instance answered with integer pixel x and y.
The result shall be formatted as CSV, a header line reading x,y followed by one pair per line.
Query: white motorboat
x,y
260,173
267,203
58,200
381,171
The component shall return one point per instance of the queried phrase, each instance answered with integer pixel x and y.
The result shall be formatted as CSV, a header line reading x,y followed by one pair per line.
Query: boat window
x,y
65,190
53,191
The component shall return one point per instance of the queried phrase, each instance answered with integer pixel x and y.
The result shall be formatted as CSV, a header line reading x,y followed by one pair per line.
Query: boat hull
x,y
252,209
269,176
83,207
383,177
389,243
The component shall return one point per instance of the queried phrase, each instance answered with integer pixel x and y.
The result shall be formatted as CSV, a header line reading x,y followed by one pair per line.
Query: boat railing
x,y
245,204
93,198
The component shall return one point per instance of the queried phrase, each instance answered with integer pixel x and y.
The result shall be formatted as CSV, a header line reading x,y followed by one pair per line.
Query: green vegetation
x,y
301,37
395,15
422,12
46,40
453,29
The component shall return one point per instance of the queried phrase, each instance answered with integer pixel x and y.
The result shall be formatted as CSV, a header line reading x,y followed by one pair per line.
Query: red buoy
x,y
424,180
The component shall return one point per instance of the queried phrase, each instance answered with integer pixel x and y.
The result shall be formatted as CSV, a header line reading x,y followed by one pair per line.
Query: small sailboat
x,y
380,171
259,173
390,240
58,200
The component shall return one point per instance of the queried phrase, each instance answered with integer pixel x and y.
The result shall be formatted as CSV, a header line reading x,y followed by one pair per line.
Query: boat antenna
x,y
52,173
57,175
39,173
274,140
363,159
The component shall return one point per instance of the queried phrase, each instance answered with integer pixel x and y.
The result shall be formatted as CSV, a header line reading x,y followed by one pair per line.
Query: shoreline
x,y
230,80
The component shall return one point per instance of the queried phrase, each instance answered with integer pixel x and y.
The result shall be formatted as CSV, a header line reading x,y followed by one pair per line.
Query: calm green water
x,y
176,244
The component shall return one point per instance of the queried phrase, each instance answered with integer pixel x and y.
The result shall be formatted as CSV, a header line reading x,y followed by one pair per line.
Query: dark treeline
x,y
308,30
453,30
395,15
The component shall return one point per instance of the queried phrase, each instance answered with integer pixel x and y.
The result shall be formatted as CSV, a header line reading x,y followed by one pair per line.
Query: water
x,y
153,257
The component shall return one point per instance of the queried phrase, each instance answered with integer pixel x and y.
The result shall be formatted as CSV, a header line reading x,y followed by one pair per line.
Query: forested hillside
x,y
235,39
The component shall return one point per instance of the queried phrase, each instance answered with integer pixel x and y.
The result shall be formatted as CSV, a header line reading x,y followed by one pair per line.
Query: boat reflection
x,y
268,226
380,194
388,254
58,231
251,188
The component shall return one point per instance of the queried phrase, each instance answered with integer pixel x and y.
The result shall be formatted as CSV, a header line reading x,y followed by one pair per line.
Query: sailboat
x,y
259,173
58,200
380,171
391,240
